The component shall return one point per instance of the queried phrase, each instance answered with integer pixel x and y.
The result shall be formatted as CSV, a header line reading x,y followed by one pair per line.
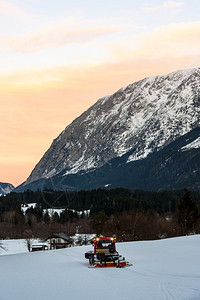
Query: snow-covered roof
x,y
61,235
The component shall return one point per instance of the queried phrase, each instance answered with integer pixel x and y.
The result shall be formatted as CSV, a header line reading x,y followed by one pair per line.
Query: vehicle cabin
x,y
106,245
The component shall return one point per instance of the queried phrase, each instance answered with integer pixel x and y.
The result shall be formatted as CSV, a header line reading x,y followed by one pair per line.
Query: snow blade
x,y
110,264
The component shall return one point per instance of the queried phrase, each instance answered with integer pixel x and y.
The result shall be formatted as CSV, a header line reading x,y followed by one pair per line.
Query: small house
x,y
58,241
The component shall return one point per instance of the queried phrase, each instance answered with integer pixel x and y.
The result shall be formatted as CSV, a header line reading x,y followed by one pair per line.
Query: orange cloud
x,y
175,39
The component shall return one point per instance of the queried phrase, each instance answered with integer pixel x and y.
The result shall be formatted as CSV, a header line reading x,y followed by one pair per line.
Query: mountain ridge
x,y
6,188
142,117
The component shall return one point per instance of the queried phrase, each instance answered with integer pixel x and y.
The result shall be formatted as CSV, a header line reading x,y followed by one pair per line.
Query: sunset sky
x,y
59,57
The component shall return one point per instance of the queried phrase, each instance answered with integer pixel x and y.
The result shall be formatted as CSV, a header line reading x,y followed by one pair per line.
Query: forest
x,y
129,214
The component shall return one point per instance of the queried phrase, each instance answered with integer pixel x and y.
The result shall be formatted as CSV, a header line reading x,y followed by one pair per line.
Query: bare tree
x,y
28,238
1,246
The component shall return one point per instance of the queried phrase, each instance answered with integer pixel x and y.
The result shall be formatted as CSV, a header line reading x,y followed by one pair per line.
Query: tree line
x,y
130,214
111,201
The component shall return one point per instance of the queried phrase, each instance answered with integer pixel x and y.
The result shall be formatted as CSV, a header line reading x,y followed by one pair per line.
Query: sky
x,y
57,58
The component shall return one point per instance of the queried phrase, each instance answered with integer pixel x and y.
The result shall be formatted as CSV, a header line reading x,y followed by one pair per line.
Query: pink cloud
x,y
172,4
56,37
166,5
9,9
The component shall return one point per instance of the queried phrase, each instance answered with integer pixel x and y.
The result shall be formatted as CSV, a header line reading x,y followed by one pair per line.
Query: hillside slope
x,y
165,269
176,166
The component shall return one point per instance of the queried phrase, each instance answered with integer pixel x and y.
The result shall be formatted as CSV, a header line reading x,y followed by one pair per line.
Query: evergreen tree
x,y
99,221
55,218
47,217
187,211
64,216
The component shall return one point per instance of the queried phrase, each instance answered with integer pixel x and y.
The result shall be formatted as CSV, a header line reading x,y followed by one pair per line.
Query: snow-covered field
x,y
162,270
13,247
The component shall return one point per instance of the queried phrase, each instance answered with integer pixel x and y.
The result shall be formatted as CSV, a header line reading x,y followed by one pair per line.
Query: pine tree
x,y
46,217
56,218
187,211
98,222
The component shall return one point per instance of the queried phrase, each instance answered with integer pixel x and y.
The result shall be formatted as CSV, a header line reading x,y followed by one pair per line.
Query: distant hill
x,y
6,188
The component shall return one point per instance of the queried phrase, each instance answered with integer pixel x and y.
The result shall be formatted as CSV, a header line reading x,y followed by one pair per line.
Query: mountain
x,y
6,188
174,167
132,128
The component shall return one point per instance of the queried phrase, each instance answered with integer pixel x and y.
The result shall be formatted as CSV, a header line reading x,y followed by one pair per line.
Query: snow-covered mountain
x,y
6,188
139,119
175,166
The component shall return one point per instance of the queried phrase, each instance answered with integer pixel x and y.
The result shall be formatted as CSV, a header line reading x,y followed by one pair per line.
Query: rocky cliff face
x,y
142,117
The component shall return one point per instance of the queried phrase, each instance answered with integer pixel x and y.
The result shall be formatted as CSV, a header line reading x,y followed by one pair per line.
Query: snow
x,y
80,237
13,247
146,112
193,145
29,205
164,269
17,246
51,211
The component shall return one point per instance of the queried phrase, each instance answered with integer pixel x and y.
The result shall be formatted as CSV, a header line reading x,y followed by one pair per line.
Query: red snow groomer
x,y
105,254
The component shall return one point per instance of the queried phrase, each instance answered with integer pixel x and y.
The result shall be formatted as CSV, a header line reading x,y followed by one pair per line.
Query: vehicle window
x,y
104,243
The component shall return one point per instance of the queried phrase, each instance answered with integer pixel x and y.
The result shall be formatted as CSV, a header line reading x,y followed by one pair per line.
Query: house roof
x,y
61,235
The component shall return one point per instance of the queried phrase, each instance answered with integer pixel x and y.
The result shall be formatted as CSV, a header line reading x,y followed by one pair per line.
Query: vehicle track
x,y
166,293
